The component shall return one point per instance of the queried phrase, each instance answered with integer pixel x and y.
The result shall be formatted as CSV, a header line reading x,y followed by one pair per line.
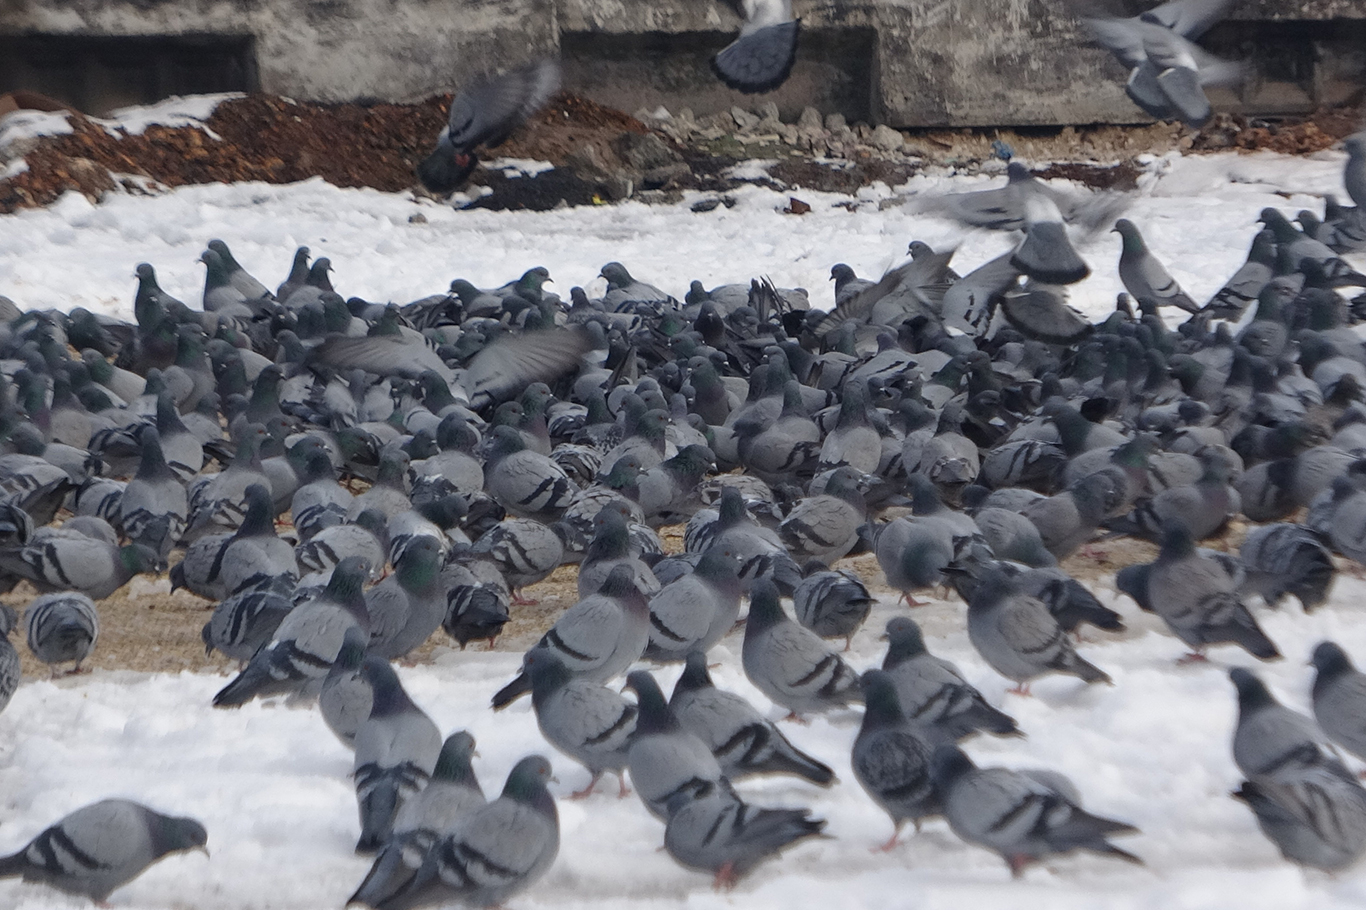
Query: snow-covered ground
x,y
271,783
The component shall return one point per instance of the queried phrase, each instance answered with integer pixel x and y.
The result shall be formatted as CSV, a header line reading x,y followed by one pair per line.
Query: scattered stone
x,y
663,176
745,122
886,138
835,122
705,205
796,207
645,151
417,218
810,121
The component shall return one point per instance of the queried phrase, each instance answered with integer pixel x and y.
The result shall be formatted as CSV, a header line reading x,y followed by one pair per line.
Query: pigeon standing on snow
x,y
1340,698
760,59
589,722
62,628
1315,816
101,847
933,692
396,752
832,603
494,852
891,757
452,793
664,759
1143,276
1018,636
718,833
742,739
1270,738
1354,171
485,113
1024,816
789,663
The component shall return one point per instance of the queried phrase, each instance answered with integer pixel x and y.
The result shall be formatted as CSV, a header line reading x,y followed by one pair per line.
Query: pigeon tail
x,y
788,759
446,170
1046,255
1181,86
759,61
13,865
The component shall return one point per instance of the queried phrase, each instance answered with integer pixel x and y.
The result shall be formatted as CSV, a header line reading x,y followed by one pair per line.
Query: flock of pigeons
x,y
968,431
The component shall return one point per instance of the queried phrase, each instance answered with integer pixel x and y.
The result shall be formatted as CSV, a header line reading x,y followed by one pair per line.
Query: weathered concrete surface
x,y
902,62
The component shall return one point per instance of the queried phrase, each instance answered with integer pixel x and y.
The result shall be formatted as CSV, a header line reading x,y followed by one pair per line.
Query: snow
x,y
272,785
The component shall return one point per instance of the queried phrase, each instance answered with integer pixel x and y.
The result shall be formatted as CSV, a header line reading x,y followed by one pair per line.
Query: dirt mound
x,y
599,154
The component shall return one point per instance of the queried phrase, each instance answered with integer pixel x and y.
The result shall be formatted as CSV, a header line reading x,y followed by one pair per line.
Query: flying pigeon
x,y
760,59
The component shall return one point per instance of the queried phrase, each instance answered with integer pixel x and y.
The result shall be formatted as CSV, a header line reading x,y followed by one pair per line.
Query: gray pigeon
x,y
832,603
154,508
1018,636
242,622
10,669
297,659
891,757
1340,698
409,605
95,568
101,847
742,739
525,551
485,113
1314,815
826,527
1245,285
1023,816
1196,597
932,691
589,722
718,833
597,638
1284,558
1046,254
492,853
396,751
613,547
760,59
526,483
62,628
1354,171
216,566
664,759
696,610
452,793
347,694
1271,739
1143,276
789,663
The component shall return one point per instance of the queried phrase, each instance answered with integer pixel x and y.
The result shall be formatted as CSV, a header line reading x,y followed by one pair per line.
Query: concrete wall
x,y
902,62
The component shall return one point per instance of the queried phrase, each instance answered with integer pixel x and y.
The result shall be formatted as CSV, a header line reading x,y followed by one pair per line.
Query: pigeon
x,y
696,610
597,638
1196,597
485,113
219,565
1271,739
743,741
1245,286
891,757
409,605
525,550
664,758
1024,816
62,628
1315,816
932,692
1018,636
526,483
95,568
1284,558
242,622
452,793
761,58
396,751
1167,70
1143,276
101,847
612,548
10,669
789,663
153,509
474,608
347,692
826,527
296,660
832,603
492,853
238,277
720,834
1046,254
1340,698
588,722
